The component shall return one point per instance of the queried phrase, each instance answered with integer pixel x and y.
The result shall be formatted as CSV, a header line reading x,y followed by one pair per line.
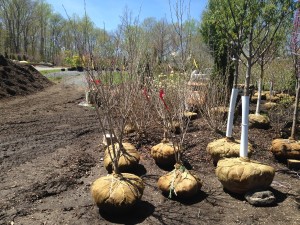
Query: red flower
x,y
161,96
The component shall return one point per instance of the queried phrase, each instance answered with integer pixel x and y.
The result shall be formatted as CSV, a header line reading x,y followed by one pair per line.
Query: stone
x,y
241,175
225,148
285,149
260,198
259,121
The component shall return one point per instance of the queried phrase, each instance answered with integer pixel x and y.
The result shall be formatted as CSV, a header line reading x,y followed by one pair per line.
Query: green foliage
x,y
72,60
45,72
56,79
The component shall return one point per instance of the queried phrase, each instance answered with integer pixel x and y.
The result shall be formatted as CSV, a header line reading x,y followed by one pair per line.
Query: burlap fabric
x,y
286,148
164,154
117,193
179,182
128,160
259,121
270,105
240,175
225,148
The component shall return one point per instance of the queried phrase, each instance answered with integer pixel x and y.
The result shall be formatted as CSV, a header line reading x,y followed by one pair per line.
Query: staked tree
x,y
243,22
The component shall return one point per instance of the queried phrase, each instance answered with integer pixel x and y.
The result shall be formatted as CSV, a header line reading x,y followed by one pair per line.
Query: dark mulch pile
x,y
17,79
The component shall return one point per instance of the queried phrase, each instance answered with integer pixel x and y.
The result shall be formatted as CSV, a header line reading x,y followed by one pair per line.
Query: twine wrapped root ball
x,y
129,158
179,182
164,154
225,148
240,175
285,149
117,193
259,121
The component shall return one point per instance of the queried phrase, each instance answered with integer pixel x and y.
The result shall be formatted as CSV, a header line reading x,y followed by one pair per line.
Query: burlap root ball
x,y
197,99
285,149
117,193
164,154
225,148
270,105
129,158
190,115
240,175
259,121
129,128
179,182
263,95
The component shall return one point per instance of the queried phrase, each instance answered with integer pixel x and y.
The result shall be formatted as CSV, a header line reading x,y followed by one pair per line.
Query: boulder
x,y
241,175
259,121
225,148
285,149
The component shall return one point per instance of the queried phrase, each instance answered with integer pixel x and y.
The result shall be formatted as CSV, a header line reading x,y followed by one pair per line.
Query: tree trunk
x,y
257,112
295,115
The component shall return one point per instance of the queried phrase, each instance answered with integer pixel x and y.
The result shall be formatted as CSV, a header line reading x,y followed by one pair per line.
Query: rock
x,y
259,121
225,148
285,149
260,198
241,175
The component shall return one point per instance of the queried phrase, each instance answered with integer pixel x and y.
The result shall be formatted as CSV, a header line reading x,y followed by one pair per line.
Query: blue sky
x,y
109,11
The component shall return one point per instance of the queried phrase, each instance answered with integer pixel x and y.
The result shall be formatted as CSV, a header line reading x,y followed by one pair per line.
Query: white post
x,y
245,124
87,97
233,97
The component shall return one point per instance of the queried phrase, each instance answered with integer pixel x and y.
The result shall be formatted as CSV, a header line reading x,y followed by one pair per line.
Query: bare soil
x,y
51,152
17,79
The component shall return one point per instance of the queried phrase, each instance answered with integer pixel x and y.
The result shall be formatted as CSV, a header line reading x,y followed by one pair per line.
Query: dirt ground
x,y
51,152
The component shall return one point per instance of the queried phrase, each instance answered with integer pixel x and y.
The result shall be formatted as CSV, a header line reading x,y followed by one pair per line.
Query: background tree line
x,y
31,30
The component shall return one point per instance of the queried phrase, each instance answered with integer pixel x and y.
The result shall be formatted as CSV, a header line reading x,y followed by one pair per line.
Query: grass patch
x,y
55,79
45,72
